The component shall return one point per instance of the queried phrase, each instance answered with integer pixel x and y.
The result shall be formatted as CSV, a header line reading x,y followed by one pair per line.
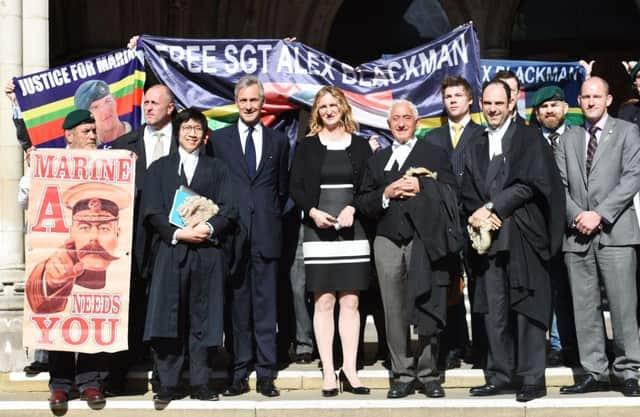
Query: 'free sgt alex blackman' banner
x,y
202,73
78,250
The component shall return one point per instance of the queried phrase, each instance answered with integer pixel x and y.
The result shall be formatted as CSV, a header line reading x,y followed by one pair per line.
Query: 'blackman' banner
x,y
202,73
108,85
536,74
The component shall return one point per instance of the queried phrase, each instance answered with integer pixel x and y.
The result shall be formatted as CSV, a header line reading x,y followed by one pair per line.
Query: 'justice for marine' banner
x,y
109,86
78,250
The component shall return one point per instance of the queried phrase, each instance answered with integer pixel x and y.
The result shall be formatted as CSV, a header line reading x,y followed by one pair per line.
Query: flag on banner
x,y
534,75
109,85
202,74
78,250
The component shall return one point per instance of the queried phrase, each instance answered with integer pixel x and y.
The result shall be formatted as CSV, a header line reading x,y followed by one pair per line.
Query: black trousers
x,y
517,344
88,370
170,354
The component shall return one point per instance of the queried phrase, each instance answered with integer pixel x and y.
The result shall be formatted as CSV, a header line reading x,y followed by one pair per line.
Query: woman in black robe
x,y
188,265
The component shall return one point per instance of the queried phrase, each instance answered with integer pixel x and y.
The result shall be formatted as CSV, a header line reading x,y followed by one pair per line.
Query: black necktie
x,y
250,153
553,138
395,166
591,147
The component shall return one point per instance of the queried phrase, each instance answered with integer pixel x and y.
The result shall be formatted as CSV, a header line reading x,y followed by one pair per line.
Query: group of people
x,y
533,216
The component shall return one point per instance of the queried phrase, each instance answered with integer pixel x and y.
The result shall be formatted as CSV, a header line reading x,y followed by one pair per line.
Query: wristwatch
x,y
489,206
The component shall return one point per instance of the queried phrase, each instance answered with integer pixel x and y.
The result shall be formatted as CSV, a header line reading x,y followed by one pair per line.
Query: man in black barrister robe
x,y
511,181
415,249
188,265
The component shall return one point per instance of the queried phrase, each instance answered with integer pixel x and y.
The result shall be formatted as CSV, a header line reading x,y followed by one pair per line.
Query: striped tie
x,y
591,147
553,138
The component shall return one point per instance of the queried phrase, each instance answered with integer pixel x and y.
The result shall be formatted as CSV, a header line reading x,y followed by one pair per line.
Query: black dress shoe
x,y
555,359
303,358
163,397
345,385
630,388
266,387
491,389
589,384
94,398
433,389
35,367
58,401
530,392
203,393
401,389
237,387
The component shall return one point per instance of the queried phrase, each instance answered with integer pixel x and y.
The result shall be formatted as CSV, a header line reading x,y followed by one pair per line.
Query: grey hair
x,y
247,81
414,109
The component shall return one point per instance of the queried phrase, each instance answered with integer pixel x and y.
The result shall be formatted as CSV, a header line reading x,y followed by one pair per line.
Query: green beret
x,y
77,117
634,71
548,93
90,91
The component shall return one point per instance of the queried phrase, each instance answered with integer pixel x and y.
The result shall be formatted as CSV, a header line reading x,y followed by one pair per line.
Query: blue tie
x,y
250,153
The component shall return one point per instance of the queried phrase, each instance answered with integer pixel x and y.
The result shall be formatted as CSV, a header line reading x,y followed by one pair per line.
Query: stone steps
x,y
296,377
303,403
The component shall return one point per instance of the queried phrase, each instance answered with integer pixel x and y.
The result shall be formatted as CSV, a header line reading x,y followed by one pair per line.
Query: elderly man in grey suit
x,y
600,168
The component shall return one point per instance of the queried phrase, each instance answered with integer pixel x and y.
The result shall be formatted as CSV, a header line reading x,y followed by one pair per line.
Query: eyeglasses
x,y
194,128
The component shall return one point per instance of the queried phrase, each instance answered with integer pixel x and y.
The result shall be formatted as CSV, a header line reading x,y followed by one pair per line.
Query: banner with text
x,y
78,250
536,74
109,85
202,73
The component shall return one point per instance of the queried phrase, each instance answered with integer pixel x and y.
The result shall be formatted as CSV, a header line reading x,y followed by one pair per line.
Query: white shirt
x,y
189,161
495,139
400,152
546,132
150,141
464,122
243,130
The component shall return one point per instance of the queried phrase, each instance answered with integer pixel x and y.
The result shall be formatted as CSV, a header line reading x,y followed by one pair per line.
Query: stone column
x,y
24,28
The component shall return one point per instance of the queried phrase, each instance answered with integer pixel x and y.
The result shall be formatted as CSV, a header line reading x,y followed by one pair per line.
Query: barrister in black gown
x,y
512,180
188,266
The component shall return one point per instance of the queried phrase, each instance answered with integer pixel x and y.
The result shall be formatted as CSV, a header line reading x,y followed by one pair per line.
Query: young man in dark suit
x,y
258,159
454,137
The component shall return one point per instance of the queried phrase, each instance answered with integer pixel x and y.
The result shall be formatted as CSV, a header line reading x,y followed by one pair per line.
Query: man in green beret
x,y
86,371
550,110
95,96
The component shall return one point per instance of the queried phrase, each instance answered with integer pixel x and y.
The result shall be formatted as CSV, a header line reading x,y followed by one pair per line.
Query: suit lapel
x,y
267,144
576,138
236,149
604,141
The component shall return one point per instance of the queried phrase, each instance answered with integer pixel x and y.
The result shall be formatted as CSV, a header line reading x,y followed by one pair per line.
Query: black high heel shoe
x,y
345,385
333,392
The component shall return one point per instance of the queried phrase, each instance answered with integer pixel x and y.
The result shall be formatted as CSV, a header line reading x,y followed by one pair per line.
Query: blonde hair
x,y
315,122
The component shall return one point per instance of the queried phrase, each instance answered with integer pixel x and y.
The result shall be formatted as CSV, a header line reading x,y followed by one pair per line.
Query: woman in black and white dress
x,y
327,172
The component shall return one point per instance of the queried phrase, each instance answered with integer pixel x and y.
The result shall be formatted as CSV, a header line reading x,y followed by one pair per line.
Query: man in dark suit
x,y
512,186
413,285
600,168
258,160
151,141
453,137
